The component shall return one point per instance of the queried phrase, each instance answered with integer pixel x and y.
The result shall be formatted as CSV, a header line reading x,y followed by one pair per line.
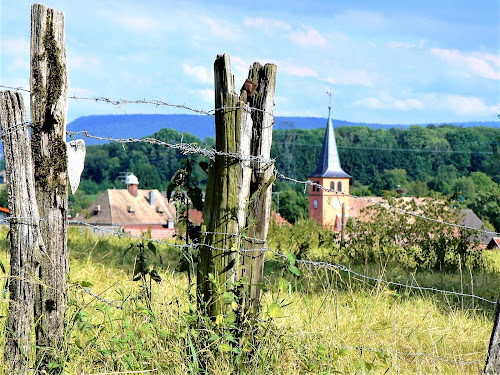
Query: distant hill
x,y
141,125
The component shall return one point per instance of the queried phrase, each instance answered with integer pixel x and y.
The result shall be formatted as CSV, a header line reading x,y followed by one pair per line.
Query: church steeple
x,y
329,162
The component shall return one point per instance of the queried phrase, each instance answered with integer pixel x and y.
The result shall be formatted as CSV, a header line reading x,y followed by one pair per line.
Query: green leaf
x,y
294,270
2,267
283,285
155,276
152,247
231,317
86,284
196,196
225,348
291,258
274,310
170,189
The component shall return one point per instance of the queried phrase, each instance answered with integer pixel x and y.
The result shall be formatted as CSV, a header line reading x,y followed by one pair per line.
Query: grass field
x,y
324,322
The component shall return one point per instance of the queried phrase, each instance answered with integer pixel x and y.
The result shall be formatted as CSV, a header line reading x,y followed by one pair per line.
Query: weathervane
x,y
329,92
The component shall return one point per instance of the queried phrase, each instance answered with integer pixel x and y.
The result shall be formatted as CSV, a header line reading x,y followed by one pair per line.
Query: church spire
x,y
329,162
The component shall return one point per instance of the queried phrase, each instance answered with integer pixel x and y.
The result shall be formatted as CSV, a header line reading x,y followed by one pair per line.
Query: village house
x,y
135,211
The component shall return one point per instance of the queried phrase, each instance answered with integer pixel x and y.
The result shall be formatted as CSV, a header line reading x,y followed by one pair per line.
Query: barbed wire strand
x,y
185,148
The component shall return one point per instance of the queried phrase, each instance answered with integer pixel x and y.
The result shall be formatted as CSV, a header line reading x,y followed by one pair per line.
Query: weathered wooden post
x,y
26,242
49,102
238,198
261,100
493,360
226,197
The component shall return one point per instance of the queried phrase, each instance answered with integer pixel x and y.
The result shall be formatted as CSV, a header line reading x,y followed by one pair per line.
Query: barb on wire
x,y
385,205
185,148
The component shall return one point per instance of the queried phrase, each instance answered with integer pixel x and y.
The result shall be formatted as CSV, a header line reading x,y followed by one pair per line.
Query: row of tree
x,y
420,161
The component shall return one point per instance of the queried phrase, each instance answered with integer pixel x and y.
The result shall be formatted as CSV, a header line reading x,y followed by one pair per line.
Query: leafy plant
x,y
143,270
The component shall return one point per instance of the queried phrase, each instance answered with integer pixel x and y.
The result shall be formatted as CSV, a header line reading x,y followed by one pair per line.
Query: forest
x,y
463,163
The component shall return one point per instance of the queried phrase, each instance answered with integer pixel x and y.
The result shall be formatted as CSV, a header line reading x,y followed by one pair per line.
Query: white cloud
x,y
215,27
16,46
397,44
138,23
198,73
478,64
358,77
468,105
408,104
84,63
388,102
267,24
300,71
307,38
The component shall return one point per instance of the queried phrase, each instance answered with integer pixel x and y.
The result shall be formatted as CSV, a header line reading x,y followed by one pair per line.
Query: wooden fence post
x,y
227,193
262,103
49,102
493,360
25,238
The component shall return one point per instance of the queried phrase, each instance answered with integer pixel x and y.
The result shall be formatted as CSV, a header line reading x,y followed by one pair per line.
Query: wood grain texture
x,y
26,242
227,194
49,102
259,210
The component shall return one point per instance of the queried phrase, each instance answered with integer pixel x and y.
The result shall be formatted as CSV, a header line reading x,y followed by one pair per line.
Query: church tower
x,y
326,207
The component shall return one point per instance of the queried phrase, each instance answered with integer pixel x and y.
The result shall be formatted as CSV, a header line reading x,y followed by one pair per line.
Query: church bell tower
x,y
324,206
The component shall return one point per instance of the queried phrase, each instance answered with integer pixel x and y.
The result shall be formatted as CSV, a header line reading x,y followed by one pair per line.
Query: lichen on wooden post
x,y
49,102
226,196
261,100
25,239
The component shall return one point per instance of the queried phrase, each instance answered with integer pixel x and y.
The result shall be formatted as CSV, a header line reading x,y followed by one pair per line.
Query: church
x,y
326,207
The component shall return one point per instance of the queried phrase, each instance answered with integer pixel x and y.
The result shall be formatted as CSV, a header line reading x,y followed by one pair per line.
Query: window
x,y
332,185
339,186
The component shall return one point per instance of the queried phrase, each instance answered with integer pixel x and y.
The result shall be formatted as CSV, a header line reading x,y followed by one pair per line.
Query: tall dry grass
x,y
323,322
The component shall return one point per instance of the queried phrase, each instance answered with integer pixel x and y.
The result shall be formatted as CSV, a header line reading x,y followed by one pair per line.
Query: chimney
x,y
152,198
132,185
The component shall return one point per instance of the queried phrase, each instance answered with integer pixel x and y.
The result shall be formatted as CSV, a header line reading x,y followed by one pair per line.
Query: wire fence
x,y
186,148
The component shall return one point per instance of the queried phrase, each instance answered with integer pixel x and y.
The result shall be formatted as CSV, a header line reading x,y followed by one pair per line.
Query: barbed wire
x,y
125,234
15,88
316,264
117,304
13,128
155,102
385,205
380,280
185,148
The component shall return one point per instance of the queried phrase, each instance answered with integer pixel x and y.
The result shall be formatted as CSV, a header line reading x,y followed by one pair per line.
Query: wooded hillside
x,y
424,160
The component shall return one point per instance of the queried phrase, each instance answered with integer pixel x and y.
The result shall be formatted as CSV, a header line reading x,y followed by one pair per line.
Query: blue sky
x,y
386,61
